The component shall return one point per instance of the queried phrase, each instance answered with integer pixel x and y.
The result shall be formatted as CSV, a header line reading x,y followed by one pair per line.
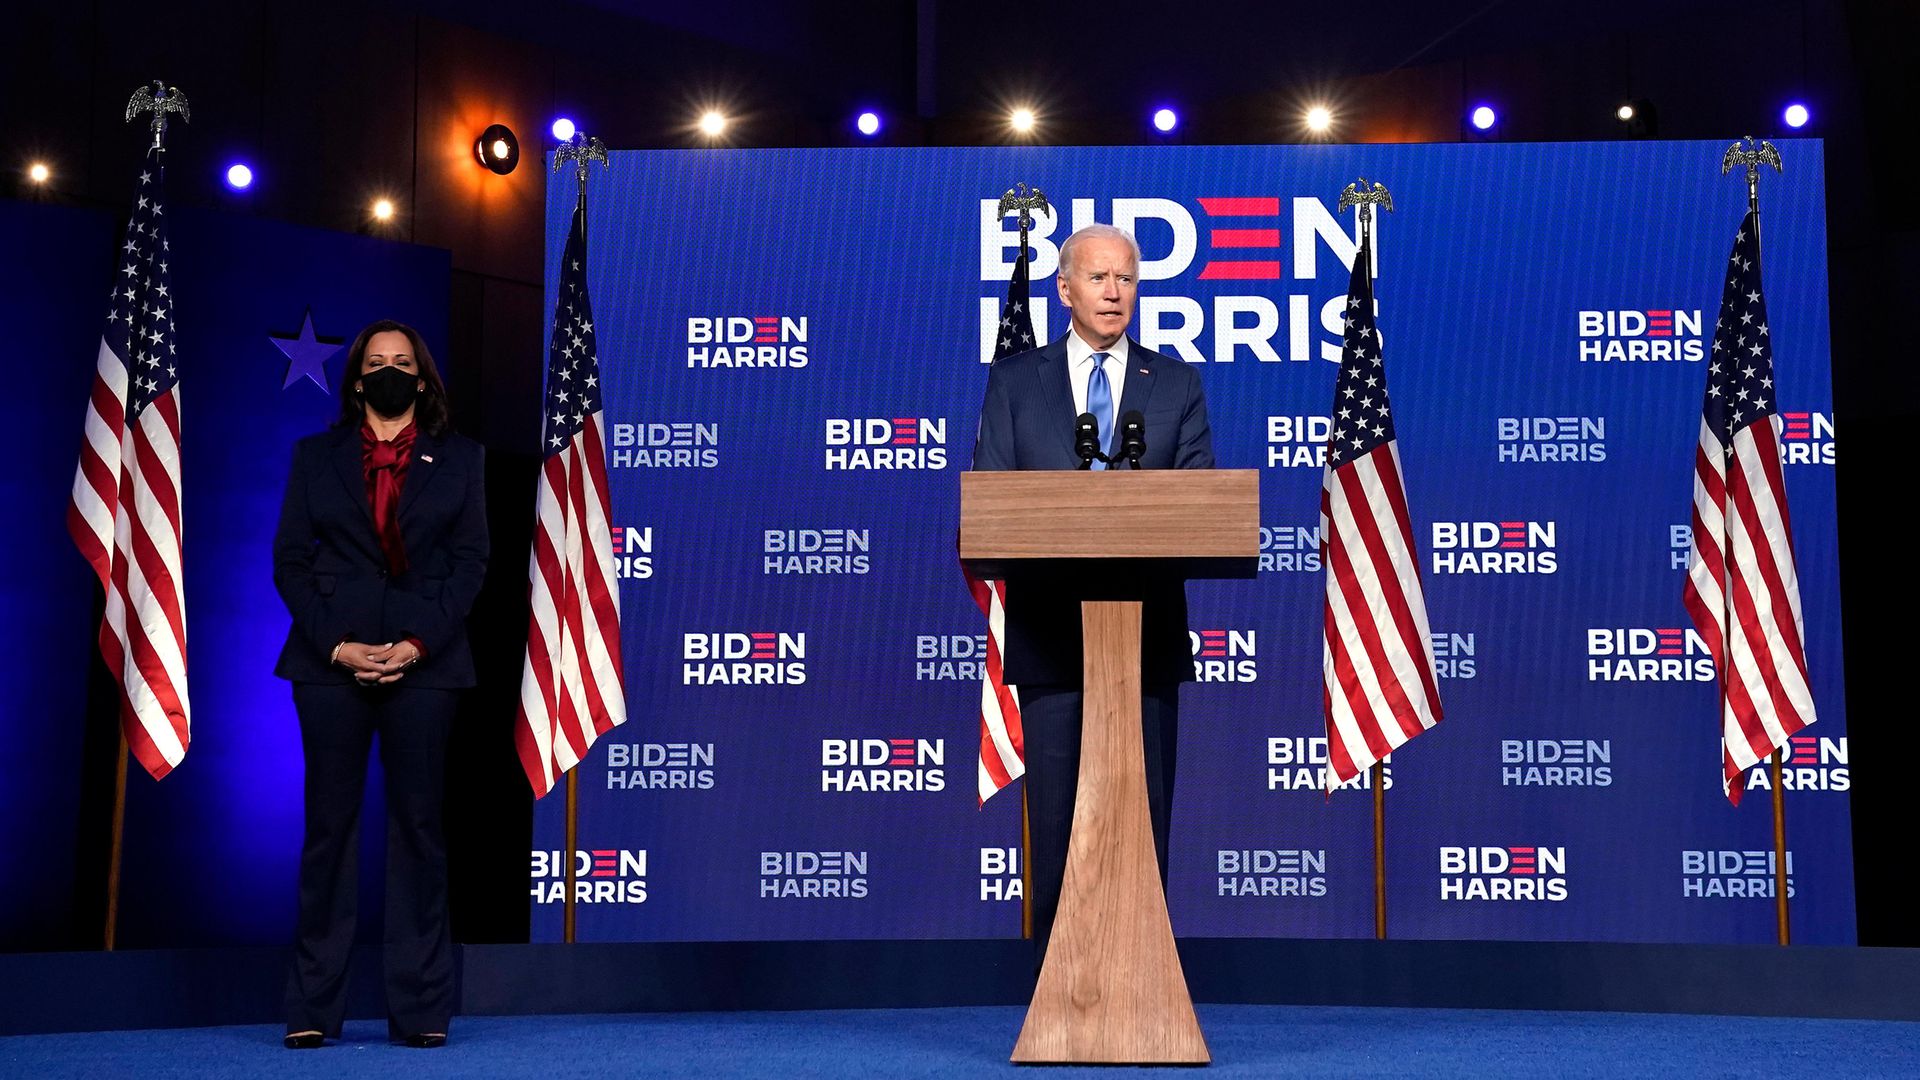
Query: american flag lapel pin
x,y
1144,371
426,457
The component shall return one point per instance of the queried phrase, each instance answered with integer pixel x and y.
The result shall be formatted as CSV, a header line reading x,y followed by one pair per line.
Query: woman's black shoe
x,y
426,1042
306,1040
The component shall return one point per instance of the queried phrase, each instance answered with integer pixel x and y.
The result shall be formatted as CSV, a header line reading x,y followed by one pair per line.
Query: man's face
x,y
1100,289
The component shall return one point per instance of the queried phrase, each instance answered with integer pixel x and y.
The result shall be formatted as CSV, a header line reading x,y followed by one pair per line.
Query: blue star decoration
x,y
307,355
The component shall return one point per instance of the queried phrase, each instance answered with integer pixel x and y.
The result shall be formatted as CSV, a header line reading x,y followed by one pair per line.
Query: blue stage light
x,y
1165,120
868,123
1484,117
239,177
563,129
1796,115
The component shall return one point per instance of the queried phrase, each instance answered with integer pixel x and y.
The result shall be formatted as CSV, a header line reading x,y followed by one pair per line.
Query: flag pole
x,y
573,825
1763,153
573,779
1779,790
1379,852
110,934
159,101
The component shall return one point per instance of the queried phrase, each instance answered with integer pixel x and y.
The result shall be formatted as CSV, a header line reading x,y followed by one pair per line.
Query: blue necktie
x,y
1100,403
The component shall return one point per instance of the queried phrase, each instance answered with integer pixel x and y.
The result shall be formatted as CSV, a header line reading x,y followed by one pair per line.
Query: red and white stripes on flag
x,y
125,514
1003,752
1003,749
1742,588
1378,686
571,689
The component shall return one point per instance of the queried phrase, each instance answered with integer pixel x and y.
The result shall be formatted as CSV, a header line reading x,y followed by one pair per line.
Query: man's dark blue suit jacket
x,y
1027,423
332,573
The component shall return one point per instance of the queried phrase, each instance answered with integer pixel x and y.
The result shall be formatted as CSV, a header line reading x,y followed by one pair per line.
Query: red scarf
x,y
385,465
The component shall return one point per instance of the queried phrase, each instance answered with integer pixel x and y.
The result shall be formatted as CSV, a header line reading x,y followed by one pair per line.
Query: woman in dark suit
x,y
381,549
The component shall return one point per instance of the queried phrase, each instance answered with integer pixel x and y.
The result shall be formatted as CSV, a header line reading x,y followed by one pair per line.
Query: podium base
x,y
1111,990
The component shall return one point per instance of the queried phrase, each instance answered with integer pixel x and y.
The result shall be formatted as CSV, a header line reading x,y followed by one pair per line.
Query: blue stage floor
x,y
1247,1041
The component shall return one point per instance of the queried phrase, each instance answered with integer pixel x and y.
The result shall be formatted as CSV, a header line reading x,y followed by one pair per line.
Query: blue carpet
x,y
1247,1041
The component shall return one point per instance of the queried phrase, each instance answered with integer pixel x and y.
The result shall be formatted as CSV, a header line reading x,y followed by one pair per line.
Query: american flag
x,y
125,516
571,689
1378,687
1003,752
1742,554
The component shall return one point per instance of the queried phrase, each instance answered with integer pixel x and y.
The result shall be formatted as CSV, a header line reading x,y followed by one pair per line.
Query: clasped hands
x,y
376,664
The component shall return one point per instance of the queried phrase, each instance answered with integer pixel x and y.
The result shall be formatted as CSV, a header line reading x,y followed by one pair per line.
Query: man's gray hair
x,y
1101,232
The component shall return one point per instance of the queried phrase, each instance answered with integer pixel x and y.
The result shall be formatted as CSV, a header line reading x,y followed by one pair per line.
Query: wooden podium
x,y
1111,990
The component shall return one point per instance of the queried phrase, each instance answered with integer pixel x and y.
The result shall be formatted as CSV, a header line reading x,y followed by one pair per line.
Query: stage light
x,y
1319,119
1165,120
1796,115
1638,118
239,177
498,149
868,123
563,129
1021,120
39,173
1483,118
712,123
383,210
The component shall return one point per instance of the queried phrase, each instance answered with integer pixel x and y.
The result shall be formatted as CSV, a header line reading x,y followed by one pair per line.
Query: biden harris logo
x,y
1647,654
1244,873
1808,763
813,875
664,446
743,658
1215,261
673,766
1300,764
1224,655
949,657
600,876
1514,874
1721,875
1495,547
886,443
1000,875
1289,549
1556,762
792,552
1806,438
747,341
1298,442
1629,336
1550,438
869,765
632,552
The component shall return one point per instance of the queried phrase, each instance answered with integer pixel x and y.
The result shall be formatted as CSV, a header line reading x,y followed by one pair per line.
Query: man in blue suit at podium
x,y
1028,422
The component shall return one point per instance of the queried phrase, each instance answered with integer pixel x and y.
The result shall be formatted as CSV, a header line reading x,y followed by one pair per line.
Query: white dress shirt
x,y
1080,367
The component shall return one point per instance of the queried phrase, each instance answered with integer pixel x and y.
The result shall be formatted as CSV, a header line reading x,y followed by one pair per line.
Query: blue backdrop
x,y
792,345
211,851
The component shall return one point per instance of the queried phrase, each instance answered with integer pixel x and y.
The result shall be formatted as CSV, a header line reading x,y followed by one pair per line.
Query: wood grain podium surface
x,y
1111,990
1115,514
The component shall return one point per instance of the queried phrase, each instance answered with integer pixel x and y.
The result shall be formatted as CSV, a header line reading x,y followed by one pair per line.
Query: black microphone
x,y
1133,436
1086,439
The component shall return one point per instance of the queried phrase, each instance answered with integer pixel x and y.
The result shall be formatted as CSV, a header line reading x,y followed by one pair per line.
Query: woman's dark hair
x,y
430,411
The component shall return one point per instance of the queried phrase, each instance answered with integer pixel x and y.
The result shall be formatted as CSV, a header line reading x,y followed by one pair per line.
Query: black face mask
x,y
388,390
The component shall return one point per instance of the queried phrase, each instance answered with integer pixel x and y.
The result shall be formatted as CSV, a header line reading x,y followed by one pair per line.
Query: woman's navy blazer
x,y
329,568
